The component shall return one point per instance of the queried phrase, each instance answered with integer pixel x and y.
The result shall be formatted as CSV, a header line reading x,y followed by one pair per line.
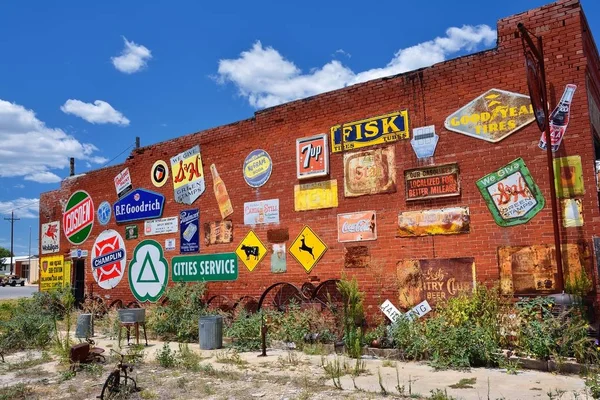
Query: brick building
x,y
483,248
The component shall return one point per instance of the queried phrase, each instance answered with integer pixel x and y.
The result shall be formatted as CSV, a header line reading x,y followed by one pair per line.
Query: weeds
x,y
380,378
29,362
19,391
464,383
438,394
166,357
230,357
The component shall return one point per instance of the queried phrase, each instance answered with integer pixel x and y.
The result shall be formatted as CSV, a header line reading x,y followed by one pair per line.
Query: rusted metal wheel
x,y
219,302
280,297
133,304
307,290
328,295
247,303
116,304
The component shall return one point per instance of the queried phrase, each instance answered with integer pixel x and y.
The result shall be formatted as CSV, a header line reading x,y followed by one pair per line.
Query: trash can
x,y
83,329
211,332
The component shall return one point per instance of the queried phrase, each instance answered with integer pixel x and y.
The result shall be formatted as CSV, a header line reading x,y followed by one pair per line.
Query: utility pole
x,y
12,220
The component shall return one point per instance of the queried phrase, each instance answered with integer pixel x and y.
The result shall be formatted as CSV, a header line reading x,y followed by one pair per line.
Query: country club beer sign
x,y
78,217
371,131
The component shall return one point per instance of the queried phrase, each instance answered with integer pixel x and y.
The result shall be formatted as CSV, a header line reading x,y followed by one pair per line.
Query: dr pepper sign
x,y
312,157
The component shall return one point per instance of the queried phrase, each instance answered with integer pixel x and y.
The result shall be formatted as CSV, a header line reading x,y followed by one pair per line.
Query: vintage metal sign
x,y
424,141
371,131
434,280
219,232
54,273
78,217
394,314
532,269
51,237
312,157
369,172
572,213
221,194
445,221
189,226
123,182
432,182
493,116
104,213
251,251
109,258
139,205
148,271
357,226
313,196
257,168
160,226
307,248
511,195
78,253
159,174
219,267
559,119
131,232
261,212
568,176
188,175
278,258
170,244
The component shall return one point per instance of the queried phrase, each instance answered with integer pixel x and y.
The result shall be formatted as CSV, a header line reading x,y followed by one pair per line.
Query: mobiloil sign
x,y
493,116
205,267
371,131
138,205
78,217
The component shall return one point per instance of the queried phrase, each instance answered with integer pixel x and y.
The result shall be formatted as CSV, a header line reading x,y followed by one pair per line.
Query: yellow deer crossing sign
x,y
308,249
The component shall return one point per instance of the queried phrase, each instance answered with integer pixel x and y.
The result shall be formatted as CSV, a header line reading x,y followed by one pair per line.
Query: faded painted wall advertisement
x,y
188,175
51,237
511,195
54,273
357,226
493,116
218,232
572,213
371,131
278,258
446,221
568,176
312,157
434,279
370,172
313,196
432,182
189,226
532,269
257,168
261,212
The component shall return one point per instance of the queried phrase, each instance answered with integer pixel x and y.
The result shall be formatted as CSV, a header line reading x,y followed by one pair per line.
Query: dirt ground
x,y
283,374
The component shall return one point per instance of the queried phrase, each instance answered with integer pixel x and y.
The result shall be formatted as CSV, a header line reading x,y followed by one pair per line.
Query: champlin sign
x,y
493,116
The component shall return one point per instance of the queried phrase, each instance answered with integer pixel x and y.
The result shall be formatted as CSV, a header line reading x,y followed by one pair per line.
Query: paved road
x,y
9,292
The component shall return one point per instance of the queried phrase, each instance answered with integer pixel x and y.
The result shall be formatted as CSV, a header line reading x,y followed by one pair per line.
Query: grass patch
x,y
464,383
231,357
388,363
19,391
29,362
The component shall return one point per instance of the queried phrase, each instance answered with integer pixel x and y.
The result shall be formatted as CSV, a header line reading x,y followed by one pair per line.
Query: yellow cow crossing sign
x,y
308,248
251,251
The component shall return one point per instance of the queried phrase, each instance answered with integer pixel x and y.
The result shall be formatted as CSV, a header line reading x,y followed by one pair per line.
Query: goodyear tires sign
x,y
369,132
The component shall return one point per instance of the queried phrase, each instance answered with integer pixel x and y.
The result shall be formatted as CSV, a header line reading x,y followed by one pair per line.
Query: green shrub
x,y
28,328
166,357
245,331
295,324
178,318
353,315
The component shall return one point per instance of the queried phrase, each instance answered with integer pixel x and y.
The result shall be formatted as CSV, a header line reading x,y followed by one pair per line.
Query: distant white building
x,y
24,266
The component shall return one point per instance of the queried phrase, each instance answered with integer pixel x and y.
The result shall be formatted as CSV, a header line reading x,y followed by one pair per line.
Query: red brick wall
x,y
430,95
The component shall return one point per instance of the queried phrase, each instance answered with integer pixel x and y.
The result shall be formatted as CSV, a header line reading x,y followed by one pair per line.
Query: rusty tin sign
x,y
382,129
357,227
317,195
445,221
218,232
432,182
511,195
532,269
433,279
493,116
370,172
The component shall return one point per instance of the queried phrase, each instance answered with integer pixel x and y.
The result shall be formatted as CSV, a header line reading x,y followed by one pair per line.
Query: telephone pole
x,y
12,220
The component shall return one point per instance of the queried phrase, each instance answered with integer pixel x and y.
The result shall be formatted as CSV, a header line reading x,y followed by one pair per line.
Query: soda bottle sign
x,y
559,119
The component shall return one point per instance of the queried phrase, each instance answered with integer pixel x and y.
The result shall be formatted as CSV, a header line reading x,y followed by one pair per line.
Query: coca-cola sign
x,y
357,226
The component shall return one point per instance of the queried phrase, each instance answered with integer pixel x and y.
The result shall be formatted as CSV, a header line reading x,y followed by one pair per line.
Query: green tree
x,y
4,257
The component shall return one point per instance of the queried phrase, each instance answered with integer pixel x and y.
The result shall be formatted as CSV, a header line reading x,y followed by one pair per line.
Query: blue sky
x,y
84,79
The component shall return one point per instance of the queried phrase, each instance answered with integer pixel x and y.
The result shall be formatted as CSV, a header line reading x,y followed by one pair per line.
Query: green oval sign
x,y
78,217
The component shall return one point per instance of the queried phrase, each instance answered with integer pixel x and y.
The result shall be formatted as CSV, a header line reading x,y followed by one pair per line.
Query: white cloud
x,y
23,208
19,186
341,52
98,113
266,78
133,58
30,149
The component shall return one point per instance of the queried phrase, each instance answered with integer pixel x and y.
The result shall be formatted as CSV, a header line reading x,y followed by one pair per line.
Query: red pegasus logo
x,y
51,232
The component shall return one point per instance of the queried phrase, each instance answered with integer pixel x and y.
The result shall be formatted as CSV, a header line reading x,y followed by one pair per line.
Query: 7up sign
x,y
148,271
78,217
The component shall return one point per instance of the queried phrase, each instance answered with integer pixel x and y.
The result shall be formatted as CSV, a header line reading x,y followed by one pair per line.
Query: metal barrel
x,y
211,332
84,326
